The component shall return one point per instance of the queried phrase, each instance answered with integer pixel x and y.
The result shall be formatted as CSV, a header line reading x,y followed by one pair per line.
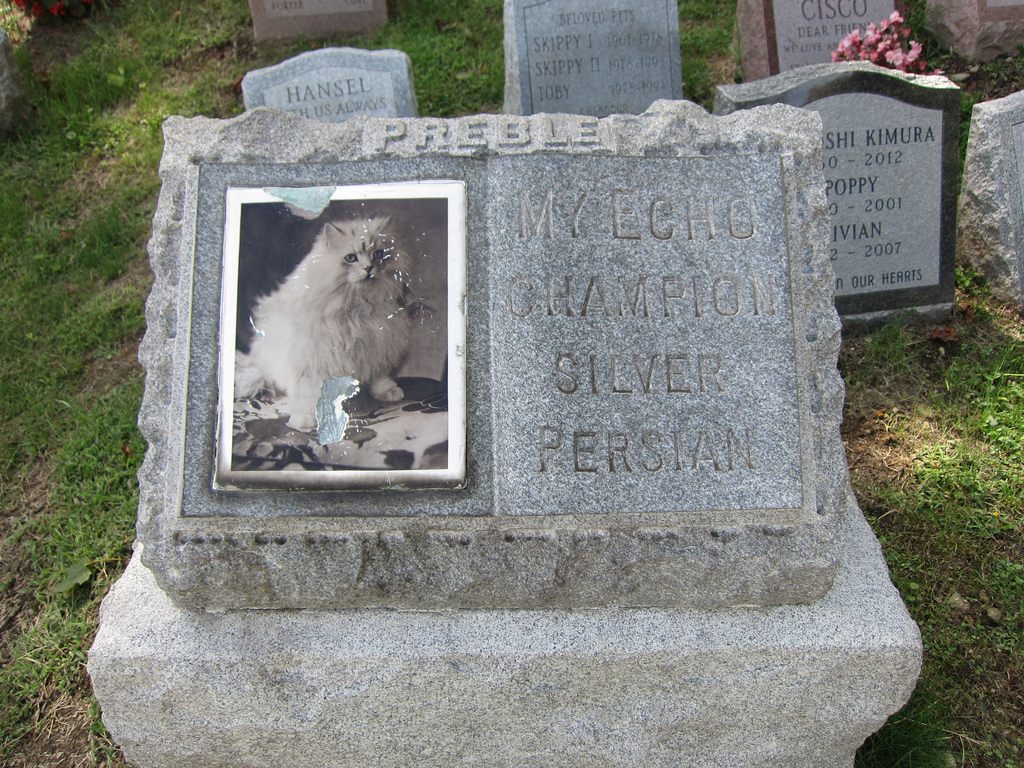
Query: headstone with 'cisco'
x,y
590,58
272,19
780,35
890,163
333,84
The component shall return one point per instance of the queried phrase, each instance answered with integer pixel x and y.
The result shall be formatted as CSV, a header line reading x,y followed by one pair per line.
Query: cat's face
x,y
360,254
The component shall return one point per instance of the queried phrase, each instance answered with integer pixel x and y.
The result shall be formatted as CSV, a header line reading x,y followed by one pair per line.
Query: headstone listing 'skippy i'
x,y
590,58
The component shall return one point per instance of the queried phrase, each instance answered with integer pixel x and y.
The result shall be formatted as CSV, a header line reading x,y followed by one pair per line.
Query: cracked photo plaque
x,y
341,337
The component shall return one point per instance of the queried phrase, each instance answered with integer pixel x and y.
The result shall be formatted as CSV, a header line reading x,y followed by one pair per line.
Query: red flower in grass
x,y
37,8
20,4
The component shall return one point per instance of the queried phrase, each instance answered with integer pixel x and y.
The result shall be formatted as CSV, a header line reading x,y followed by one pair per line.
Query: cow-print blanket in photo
x,y
409,434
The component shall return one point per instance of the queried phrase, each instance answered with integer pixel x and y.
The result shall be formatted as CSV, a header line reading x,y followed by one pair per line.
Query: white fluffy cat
x,y
339,313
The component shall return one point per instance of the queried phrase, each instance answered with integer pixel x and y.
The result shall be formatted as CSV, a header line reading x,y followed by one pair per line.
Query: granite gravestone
x,y
890,163
991,215
978,30
11,96
590,58
334,84
273,19
629,449
779,35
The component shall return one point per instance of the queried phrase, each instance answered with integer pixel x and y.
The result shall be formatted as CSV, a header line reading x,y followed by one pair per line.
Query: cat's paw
x,y
386,390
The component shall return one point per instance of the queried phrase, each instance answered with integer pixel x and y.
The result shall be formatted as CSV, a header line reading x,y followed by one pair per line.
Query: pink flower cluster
x,y
888,44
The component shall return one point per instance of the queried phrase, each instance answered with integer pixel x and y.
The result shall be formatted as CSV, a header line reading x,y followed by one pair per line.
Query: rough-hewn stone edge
x,y
839,667
989,220
729,98
388,60
668,129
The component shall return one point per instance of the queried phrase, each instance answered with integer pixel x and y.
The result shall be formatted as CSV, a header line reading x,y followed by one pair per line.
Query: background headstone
x,y
273,19
978,30
724,628
991,215
11,95
890,163
779,35
587,58
334,84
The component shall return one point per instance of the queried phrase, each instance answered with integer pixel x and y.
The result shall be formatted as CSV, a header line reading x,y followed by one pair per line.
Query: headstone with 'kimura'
x,y
590,58
890,164
334,84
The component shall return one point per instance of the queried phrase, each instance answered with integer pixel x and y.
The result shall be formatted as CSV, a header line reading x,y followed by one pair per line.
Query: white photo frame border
x,y
454,476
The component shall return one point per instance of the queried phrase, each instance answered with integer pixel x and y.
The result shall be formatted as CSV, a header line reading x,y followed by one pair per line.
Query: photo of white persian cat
x,y
340,312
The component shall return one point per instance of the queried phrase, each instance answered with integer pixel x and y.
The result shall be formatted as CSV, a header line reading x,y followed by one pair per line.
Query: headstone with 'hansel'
x,y
273,19
978,30
991,215
890,163
335,84
599,493
590,58
779,35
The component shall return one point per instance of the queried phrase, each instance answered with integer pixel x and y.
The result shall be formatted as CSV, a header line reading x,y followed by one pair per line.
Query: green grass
x,y
934,426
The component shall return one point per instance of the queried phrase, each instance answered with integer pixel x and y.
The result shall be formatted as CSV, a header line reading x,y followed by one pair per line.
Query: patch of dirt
x,y
61,735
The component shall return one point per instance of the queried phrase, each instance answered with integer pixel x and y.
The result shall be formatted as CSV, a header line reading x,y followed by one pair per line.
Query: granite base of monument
x,y
800,686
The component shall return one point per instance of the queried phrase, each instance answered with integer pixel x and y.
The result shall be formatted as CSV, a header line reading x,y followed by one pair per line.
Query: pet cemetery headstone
x,y
779,35
588,58
577,418
890,164
979,30
273,19
11,95
991,216
334,84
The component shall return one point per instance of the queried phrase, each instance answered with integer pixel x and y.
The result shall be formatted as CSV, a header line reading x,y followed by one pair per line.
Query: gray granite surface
x,y
11,93
991,215
333,84
779,35
590,58
796,686
978,30
273,19
718,479
890,161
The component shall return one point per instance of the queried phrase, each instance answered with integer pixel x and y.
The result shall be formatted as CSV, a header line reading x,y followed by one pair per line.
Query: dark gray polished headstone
x,y
890,164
